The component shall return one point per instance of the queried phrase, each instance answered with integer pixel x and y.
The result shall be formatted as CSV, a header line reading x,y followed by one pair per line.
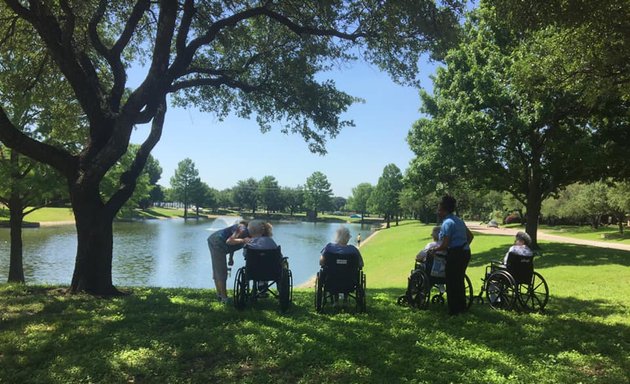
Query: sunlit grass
x,y
51,214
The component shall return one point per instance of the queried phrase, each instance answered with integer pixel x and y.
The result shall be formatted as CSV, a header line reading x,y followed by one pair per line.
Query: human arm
x,y
322,260
469,236
238,237
231,259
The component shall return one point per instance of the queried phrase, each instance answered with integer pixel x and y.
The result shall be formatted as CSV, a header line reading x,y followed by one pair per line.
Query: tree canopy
x,y
244,57
496,122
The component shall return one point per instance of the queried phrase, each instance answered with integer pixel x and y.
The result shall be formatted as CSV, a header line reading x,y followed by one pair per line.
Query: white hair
x,y
256,228
342,235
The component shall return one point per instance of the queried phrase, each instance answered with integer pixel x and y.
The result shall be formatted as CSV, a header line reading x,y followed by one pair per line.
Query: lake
x,y
164,253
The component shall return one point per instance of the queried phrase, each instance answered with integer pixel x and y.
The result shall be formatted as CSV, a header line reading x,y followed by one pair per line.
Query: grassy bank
x,y
183,336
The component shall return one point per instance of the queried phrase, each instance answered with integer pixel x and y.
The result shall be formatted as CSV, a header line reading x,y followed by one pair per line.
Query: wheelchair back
x,y
520,267
263,264
340,272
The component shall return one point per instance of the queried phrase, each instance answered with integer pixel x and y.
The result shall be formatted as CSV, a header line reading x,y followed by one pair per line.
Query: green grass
x,y
50,214
183,336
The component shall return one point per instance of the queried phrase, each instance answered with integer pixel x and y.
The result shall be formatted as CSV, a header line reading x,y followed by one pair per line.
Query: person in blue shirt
x,y
221,243
455,238
341,246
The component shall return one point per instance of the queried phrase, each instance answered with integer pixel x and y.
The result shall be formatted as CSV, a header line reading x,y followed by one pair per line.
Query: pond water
x,y
164,253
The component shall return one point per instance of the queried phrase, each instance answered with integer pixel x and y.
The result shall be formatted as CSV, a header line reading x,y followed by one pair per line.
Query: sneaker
x,y
225,300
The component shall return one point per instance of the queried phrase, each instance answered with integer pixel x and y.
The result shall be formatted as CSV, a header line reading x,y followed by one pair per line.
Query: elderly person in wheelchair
x,y
265,267
513,281
341,274
520,247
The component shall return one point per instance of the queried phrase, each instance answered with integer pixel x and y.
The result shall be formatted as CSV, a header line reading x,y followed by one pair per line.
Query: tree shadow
x,y
162,335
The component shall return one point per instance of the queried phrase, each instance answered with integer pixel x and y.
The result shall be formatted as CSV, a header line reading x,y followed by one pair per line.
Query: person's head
x,y
342,235
447,205
256,228
242,226
268,232
522,238
435,233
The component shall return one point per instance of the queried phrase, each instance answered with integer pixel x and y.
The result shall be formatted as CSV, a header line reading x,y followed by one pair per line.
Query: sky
x,y
227,151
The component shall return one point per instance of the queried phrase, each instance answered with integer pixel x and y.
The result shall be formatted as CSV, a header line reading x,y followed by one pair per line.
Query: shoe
x,y
225,300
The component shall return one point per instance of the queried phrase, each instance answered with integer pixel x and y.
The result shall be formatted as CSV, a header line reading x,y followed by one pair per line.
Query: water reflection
x,y
162,253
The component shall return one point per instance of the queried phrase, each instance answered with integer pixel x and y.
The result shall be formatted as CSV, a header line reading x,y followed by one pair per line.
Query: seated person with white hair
x,y
520,247
260,234
341,246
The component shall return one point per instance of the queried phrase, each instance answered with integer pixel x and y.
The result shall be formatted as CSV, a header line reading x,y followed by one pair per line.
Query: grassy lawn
x,y
51,214
183,336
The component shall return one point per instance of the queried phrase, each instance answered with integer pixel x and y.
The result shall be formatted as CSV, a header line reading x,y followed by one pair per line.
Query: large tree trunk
x,y
93,265
16,267
534,204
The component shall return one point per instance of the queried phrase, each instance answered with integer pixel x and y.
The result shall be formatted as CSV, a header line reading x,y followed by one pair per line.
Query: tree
x,y
225,198
386,195
26,186
185,178
294,198
38,103
338,203
245,57
317,193
143,188
269,193
619,198
360,197
245,194
495,131
201,195
153,169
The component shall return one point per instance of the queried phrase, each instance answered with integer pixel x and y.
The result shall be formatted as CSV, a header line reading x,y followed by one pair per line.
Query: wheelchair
x,y
420,284
507,286
340,275
261,267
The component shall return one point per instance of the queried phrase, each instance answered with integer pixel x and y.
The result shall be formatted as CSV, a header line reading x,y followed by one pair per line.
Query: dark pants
x,y
456,262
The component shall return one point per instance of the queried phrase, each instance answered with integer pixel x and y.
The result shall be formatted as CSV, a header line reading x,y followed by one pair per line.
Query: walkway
x,y
545,236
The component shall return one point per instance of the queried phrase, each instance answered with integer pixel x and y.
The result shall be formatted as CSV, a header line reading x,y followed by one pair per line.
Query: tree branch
x,y
18,141
128,179
184,27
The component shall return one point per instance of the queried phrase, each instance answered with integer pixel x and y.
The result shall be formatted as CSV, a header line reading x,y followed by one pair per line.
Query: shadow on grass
x,y
182,335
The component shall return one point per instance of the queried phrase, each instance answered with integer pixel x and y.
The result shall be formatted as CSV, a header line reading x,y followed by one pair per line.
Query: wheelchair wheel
x,y
419,290
319,294
360,295
500,290
290,286
284,290
534,297
241,289
468,288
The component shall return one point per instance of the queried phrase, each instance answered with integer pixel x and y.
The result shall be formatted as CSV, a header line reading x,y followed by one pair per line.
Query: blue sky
x,y
235,149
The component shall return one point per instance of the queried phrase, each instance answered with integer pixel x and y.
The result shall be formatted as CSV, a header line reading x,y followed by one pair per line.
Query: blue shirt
x,y
454,228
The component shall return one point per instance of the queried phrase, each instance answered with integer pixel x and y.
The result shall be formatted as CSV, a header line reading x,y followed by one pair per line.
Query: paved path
x,y
545,236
